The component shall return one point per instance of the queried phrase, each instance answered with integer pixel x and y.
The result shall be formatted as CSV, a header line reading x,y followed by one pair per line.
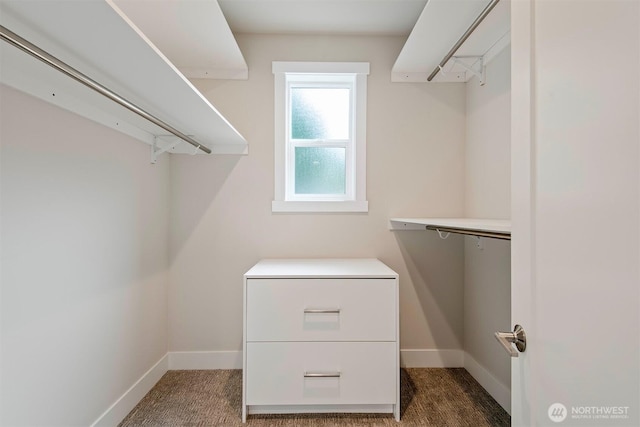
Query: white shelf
x,y
95,38
496,228
194,35
439,27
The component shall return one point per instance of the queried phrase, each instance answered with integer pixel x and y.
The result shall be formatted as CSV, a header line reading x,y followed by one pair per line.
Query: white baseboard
x,y
500,392
431,358
186,360
121,408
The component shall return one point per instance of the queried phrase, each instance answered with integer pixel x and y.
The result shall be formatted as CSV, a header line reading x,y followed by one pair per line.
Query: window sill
x,y
319,207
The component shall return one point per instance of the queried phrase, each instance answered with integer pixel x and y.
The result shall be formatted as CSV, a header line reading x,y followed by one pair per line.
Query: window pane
x,y
320,170
320,113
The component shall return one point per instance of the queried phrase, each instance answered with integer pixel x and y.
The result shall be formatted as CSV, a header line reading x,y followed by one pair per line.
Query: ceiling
x,y
338,17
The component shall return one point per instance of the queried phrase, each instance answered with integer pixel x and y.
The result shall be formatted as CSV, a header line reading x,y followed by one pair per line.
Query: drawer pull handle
x,y
322,374
322,311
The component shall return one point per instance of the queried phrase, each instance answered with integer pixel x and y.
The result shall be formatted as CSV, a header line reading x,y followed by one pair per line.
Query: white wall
x,y
487,280
221,212
84,263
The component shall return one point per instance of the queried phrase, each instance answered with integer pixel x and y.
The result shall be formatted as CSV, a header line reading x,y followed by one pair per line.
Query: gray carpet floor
x,y
429,397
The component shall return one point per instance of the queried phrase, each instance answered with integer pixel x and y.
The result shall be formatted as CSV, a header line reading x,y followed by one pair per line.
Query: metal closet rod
x,y
33,50
491,234
464,38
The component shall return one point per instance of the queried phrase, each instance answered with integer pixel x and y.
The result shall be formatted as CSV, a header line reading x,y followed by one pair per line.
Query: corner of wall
x,y
125,403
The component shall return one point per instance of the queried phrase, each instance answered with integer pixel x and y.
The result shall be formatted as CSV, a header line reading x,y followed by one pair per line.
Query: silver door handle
x,y
322,311
517,337
322,374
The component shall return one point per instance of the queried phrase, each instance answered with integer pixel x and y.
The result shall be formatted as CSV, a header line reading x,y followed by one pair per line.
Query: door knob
x,y
517,337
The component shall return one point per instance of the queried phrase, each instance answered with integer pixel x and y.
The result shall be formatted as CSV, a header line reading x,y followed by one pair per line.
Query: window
x,y
320,140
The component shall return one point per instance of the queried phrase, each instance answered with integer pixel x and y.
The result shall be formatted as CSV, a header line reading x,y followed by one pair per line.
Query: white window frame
x,y
317,74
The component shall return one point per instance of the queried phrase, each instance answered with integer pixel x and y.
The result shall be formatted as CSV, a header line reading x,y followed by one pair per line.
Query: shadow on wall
x,y
196,182
436,269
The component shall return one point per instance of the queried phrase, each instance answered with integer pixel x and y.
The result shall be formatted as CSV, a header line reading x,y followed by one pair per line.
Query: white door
x,y
576,211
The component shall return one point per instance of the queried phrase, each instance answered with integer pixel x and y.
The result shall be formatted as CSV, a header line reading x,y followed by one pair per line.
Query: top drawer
x,y
321,309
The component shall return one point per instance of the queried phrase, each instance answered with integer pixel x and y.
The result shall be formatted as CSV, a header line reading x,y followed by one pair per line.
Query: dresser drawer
x,y
321,310
336,373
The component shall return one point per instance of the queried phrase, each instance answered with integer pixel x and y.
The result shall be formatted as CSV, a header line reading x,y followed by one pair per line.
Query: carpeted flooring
x,y
429,397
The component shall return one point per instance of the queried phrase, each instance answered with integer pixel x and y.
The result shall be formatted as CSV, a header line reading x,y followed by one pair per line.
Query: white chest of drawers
x,y
320,336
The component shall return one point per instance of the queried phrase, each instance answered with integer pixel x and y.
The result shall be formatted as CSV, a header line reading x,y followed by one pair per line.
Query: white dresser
x,y
320,336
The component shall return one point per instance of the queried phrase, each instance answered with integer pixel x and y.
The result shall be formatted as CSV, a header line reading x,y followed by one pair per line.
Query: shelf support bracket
x,y
478,68
156,150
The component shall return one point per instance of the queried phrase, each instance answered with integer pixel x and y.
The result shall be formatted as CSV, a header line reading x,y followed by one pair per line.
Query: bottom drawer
x,y
312,373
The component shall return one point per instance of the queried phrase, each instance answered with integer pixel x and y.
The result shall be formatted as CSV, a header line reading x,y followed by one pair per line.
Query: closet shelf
x,y
493,228
440,26
97,39
194,35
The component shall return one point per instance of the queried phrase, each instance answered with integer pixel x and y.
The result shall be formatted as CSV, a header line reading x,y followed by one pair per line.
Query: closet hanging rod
x,y
33,50
464,38
490,234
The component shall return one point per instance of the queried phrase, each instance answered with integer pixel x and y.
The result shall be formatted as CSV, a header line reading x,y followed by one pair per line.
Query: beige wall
x,y
488,142
84,263
221,212
487,283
